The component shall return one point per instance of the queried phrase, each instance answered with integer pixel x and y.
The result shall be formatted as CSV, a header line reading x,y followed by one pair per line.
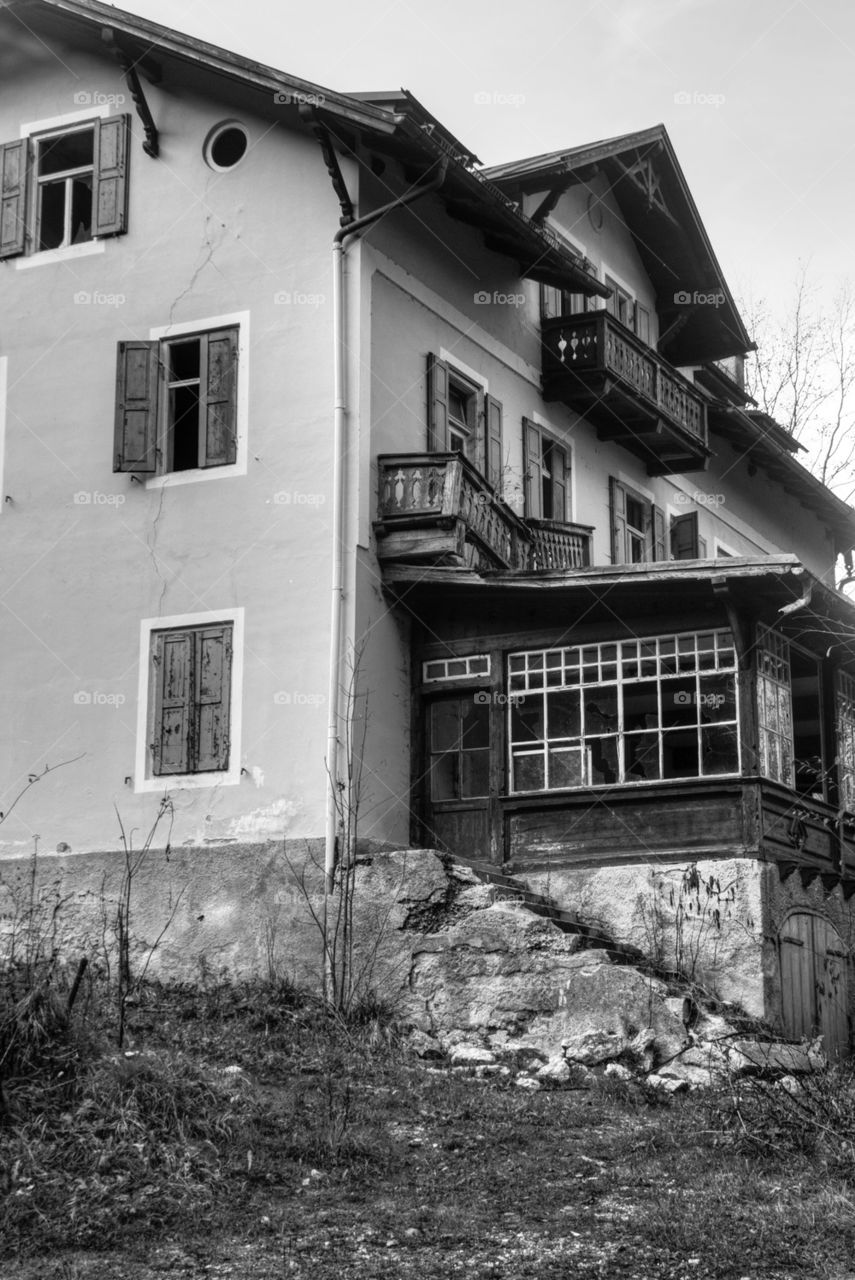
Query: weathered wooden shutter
x,y
218,398
660,541
110,187
14,183
135,432
617,507
493,426
212,693
437,396
560,475
684,537
532,454
642,323
173,661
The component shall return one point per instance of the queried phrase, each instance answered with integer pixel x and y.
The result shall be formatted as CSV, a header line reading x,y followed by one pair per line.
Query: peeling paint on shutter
x,y
173,663
212,691
219,398
437,396
110,194
532,455
14,182
493,415
135,432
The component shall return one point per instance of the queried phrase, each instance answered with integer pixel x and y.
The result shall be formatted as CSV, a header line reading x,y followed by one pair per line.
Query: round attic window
x,y
226,145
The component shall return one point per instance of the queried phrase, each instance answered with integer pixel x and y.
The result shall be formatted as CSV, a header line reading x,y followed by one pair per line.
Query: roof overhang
x,y
699,320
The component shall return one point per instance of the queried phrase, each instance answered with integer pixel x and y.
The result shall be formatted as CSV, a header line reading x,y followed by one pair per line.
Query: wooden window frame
x,y
538,441
485,432
655,545
145,777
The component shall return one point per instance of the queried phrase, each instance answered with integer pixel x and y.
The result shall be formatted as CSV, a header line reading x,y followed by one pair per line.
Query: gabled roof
x,y
699,320
397,126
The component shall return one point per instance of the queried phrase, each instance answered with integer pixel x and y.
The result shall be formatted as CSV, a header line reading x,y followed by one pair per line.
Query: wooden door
x,y
459,810
814,982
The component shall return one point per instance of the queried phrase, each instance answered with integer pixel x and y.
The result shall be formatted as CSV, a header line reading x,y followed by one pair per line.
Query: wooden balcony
x,y
437,508
599,368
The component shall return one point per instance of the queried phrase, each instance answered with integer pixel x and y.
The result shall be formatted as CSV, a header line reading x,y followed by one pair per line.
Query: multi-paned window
x,y
64,187
459,747
637,526
845,699
190,695
464,418
775,708
547,475
623,712
176,403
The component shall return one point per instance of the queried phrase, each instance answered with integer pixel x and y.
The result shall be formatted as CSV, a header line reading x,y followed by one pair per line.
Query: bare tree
x,y
803,375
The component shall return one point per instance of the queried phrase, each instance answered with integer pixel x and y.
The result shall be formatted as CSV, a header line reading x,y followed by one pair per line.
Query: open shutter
x,y
493,422
212,693
135,432
437,394
560,476
660,542
617,505
14,181
532,454
173,661
110,194
218,409
684,537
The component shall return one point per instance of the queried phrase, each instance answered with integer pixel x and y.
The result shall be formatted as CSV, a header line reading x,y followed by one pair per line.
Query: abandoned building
x,y
317,438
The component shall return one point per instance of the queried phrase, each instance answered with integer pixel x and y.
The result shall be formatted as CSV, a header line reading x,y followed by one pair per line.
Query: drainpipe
x,y
340,447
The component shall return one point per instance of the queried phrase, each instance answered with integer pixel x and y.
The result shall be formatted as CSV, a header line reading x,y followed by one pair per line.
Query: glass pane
x,y
601,709
68,151
444,725
678,702
81,210
717,698
479,666
475,718
527,719
565,769
184,360
457,667
641,754
641,705
528,773
603,761
52,215
564,717
719,750
443,771
680,754
434,670
475,773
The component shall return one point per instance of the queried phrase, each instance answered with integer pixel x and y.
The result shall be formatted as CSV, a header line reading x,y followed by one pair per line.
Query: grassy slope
x,y
330,1155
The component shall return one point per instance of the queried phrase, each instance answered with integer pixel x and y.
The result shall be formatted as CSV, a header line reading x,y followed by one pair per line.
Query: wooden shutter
x,y
110,187
493,425
437,395
212,688
684,537
532,453
660,541
173,662
218,399
642,323
14,183
617,505
560,476
135,432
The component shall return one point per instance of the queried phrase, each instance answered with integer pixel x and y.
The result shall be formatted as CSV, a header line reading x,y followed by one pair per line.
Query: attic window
x,y
226,146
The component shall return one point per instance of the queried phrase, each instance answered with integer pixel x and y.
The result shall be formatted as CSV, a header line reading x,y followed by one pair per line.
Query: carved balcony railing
x,y
437,508
597,366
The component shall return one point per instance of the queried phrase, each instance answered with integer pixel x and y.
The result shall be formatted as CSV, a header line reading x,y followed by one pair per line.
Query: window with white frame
x,y
775,708
623,712
845,699
64,186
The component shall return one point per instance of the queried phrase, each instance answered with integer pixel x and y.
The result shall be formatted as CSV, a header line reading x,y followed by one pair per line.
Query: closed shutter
x,y
173,661
212,691
110,194
532,453
218,412
437,395
684,537
495,457
560,476
660,541
617,505
135,431
14,181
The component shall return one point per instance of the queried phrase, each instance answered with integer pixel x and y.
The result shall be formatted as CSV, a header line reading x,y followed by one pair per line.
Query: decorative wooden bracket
x,y
737,625
309,115
643,174
152,71
548,203
787,869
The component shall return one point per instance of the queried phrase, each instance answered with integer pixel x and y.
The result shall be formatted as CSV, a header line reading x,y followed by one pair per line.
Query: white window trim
x,y
43,257
563,443
723,546
144,781
170,479
463,369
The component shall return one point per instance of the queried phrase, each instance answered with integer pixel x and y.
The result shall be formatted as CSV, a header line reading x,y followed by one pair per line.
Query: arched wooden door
x,y
815,982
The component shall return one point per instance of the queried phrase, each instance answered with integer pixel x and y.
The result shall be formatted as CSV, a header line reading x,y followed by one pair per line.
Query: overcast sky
x,y
757,95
